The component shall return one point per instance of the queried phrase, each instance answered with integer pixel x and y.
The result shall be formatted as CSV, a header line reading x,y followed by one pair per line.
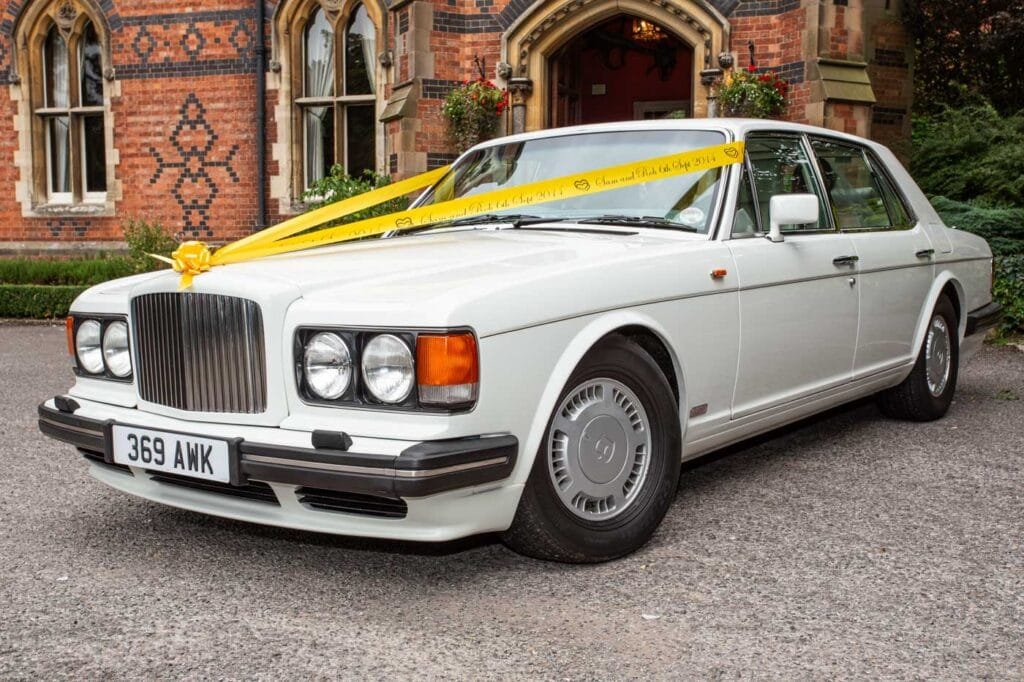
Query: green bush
x,y
78,271
1002,227
35,301
340,185
143,238
1009,291
970,154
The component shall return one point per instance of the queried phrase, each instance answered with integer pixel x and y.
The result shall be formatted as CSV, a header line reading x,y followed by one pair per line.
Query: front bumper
x,y
433,490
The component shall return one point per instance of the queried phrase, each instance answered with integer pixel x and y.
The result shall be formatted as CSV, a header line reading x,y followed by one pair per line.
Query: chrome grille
x,y
200,352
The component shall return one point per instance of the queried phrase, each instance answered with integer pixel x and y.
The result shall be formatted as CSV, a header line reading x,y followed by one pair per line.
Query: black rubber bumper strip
x,y
983,318
422,469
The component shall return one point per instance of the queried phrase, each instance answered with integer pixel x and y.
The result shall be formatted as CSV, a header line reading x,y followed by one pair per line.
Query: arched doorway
x,y
624,68
541,34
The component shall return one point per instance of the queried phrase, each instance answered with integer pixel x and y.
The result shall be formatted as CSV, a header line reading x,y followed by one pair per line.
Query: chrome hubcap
x,y
599,450
937,358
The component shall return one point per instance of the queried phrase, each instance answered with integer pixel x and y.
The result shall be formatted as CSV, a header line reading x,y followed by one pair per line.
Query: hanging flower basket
x,y
752,95
473,112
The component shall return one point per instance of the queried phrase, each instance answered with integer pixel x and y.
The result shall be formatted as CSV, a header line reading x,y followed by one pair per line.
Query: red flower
x,y
751,68
764,77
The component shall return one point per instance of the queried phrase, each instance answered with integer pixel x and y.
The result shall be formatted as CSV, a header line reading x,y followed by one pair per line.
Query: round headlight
x,y
115,349
327,365
87,347
388,369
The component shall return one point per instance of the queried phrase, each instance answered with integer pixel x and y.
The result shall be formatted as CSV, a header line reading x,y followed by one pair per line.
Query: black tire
x,y
544,528
912,400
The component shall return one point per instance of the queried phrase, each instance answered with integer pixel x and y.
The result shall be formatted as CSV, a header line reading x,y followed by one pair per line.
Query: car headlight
x,y
116,353
88,346
388,370
327,365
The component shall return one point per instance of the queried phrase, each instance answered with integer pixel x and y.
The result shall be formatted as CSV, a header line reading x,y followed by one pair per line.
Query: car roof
x,y
734,128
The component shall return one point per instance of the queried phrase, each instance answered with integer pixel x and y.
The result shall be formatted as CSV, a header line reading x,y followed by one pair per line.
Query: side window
x,y
898,213
781,166
744,222
853,188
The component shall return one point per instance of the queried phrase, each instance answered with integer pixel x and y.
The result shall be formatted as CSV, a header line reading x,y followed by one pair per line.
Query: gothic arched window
x,y
334,92
69,108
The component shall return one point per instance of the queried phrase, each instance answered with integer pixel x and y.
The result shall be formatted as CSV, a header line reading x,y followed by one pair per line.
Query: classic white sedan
x,y
540,373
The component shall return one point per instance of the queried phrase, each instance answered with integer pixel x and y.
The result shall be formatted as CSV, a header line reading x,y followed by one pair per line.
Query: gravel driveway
x,y
849,546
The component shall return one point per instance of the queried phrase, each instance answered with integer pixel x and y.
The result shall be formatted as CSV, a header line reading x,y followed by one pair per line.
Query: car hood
x,y
450,278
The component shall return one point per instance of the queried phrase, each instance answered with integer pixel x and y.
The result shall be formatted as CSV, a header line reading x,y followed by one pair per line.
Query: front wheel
x,y
608,468
926,394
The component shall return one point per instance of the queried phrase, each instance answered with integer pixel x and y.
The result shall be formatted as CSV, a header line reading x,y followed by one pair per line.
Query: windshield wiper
x,y
514,219
638,221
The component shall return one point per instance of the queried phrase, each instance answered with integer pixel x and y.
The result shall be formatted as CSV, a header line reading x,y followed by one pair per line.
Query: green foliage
x,y
143,238
1003,228
752,95
970,154
79,271
473,111
967,52
35,301
340,185
1009,291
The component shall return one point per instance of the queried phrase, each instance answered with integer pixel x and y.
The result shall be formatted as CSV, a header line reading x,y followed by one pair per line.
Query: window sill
x,y
82,210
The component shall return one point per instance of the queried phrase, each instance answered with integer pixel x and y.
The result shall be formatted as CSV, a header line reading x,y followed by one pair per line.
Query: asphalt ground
x,y
848,546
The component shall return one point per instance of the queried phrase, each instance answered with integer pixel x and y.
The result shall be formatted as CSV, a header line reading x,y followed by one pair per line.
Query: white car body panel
x,y
782,335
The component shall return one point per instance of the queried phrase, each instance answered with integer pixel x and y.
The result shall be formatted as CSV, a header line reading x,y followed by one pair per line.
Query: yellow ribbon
x,y
190,259
193,258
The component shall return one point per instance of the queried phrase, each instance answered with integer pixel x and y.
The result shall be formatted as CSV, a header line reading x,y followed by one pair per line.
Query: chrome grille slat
x,y
200,352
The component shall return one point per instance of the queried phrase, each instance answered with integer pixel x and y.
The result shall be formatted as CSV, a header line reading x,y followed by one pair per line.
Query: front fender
x,y
575,338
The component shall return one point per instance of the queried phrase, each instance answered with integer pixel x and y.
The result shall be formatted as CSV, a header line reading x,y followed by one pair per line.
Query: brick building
x,y
152,108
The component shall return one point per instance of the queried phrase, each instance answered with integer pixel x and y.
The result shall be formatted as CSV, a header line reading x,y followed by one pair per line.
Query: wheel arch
x,y
946,284
643,329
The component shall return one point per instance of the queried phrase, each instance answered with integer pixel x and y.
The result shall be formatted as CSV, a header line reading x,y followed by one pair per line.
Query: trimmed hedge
x,y
37,301
1003,228
77,272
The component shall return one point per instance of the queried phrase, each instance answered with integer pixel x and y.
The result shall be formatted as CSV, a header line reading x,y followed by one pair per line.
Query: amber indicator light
x,y
69,332
446,359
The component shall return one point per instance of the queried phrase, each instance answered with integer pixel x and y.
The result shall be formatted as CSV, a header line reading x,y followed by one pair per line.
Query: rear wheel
x,y
926,394
608,468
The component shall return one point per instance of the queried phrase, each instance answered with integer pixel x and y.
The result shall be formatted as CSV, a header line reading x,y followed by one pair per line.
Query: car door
x,y
895,254
798,298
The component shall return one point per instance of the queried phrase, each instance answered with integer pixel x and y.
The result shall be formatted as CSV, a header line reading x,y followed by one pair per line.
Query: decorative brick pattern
x,y
888,115
435,88
762,8
896,58
437,160
195,189
451,22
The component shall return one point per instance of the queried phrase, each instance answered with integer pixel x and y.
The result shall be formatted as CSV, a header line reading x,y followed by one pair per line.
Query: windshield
x,y
685,200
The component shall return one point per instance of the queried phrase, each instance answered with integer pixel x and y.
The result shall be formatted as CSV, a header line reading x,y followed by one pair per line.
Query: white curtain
x,y
319,83
364,28
56,70
60,170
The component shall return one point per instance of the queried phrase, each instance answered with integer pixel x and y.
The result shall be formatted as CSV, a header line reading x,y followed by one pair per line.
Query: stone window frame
x,y
290,23
34,23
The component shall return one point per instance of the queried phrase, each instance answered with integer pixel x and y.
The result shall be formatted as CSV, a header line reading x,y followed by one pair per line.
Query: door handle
x,y
925,253
845,260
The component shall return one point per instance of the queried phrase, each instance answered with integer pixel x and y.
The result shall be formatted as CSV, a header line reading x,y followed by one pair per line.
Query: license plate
x,y
174,453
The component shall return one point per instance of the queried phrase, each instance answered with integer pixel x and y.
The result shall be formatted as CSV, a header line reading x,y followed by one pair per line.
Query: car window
x,y
899,215
853,187
781,166
745,222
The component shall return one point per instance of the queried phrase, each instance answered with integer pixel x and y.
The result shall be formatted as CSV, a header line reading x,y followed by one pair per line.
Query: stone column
x,y
520,89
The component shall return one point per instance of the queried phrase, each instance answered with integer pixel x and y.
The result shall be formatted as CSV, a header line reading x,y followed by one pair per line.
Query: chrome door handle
x,y
845,260
925,253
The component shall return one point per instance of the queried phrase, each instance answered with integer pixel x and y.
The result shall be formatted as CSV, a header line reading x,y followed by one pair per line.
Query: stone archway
x,y
548,24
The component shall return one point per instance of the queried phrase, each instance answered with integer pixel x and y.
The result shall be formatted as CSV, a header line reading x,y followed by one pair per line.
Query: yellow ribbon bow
x,y
190,259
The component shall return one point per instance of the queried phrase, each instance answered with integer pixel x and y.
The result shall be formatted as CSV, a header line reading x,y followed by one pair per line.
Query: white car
x,y
541,373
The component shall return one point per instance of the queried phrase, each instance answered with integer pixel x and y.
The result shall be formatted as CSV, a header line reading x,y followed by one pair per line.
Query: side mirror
x,y
791,209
